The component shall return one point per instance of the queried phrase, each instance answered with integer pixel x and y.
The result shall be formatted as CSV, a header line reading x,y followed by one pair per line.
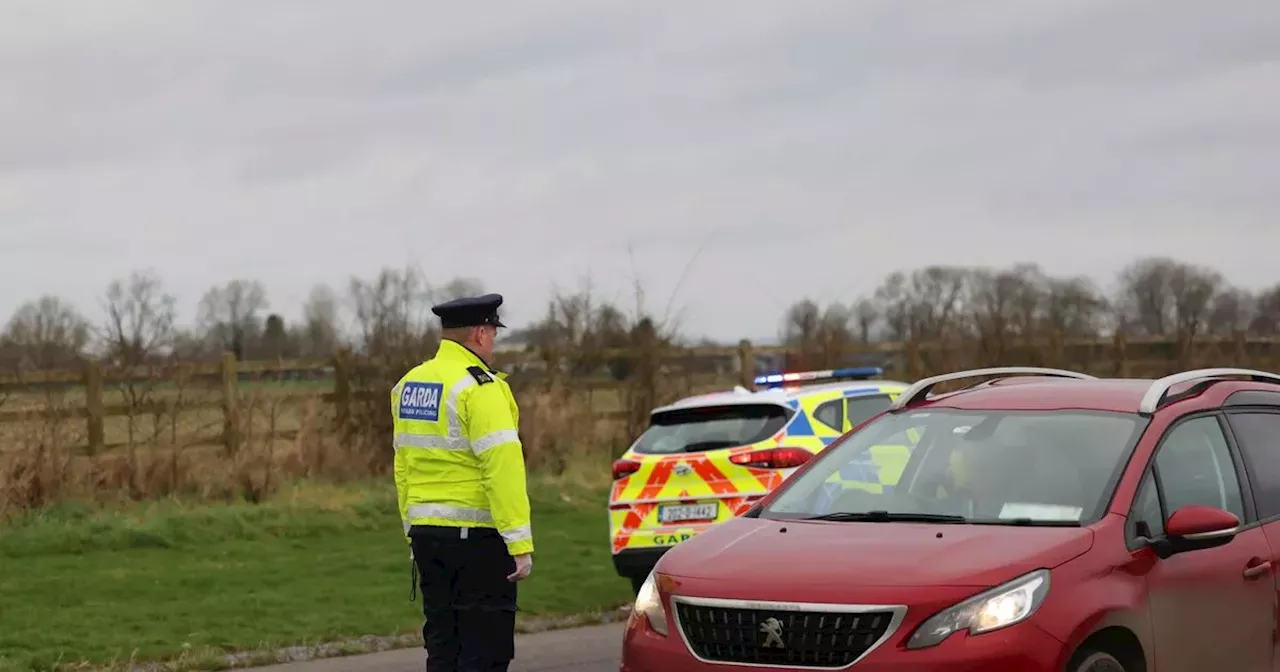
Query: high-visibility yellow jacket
x,y
458,460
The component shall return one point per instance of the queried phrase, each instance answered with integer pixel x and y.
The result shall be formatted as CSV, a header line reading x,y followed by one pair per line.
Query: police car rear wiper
x,y
886,517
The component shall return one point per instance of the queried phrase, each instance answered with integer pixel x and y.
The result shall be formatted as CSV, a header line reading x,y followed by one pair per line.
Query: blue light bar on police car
x,y
796,377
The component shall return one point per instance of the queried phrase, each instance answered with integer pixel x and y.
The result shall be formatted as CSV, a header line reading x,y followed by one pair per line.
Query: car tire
x,y
1095,661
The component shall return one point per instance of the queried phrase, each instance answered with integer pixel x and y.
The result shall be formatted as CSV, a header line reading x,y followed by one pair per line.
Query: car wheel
x,y
1096,661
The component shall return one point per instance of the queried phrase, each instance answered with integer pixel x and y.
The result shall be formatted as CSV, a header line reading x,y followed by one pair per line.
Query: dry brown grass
x,y
175,449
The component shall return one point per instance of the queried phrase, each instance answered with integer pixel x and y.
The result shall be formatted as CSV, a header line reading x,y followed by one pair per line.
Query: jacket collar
x,y
456,352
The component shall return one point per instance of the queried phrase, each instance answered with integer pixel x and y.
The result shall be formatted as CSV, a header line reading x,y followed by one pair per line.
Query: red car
x,y
1045,520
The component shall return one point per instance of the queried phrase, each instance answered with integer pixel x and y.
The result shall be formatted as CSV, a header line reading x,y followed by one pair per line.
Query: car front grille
x,y
722,631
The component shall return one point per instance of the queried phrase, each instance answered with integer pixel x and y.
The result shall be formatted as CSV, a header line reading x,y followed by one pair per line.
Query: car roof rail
x,y
920,389
1157,393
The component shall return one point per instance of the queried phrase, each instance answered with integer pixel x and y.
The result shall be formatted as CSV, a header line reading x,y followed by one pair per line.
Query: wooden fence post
x,y
912,356
93,406
746,364
1119,356
342,386
230,404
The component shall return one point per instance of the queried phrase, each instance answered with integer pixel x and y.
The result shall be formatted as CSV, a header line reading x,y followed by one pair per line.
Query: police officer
x,y
460,476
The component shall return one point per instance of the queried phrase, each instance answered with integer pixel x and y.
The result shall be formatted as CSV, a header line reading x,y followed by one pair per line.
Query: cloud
x,y
794,148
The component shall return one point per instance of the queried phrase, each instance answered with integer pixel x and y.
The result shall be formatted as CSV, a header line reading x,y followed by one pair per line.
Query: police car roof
x,y
775,395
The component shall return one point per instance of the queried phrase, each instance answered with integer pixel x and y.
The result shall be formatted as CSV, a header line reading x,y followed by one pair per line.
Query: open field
x,y
312,564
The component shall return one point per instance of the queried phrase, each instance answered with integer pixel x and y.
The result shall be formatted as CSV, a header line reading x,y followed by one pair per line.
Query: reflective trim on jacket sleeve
x,y
411,440
493,439
449,512
518,534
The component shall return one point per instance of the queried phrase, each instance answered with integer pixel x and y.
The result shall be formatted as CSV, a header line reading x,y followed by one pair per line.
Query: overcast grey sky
x,y
795,147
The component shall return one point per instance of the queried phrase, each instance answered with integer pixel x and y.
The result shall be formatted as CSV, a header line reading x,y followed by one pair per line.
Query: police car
x,y
705,459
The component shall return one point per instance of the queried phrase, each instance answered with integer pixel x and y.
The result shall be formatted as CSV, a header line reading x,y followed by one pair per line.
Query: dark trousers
x,y
469,605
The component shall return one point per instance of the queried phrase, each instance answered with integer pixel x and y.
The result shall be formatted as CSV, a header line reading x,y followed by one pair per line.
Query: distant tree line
x,y
387,315
1154,296
390,313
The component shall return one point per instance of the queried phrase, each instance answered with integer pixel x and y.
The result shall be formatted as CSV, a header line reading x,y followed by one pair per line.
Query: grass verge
x,y
193,584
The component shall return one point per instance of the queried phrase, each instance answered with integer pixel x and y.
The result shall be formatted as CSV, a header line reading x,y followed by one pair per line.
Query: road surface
x,y
592,649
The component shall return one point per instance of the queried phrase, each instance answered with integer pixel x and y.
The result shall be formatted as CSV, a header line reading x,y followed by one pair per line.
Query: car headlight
x,y
997,608
649,604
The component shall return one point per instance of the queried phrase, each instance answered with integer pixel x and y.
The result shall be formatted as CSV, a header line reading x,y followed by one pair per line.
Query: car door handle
x,y
1256,569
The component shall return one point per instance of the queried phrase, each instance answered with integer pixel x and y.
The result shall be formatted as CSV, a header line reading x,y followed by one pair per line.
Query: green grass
x,y
170,579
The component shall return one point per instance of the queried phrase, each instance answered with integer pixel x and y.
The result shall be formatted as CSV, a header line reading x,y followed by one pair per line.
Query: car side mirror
x,y
1195,527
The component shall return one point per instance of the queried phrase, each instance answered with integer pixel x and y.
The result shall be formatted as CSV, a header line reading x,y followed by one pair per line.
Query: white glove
x,y
524,565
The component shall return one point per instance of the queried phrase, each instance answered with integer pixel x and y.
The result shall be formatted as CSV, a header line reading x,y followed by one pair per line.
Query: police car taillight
x,y
624,468
772,458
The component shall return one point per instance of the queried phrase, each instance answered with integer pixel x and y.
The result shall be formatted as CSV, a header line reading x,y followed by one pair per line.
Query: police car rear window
x,y
695,430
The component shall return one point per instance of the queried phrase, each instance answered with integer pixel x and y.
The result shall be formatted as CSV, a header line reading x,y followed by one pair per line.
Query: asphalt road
x,y
591,649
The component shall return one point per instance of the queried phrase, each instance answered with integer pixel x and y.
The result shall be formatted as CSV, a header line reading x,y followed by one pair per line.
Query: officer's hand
x,y
524,565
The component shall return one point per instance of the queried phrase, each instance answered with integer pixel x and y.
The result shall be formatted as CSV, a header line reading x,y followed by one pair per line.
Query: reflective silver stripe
x,y
518,534
494,439
449,512
451,408
411,440
395,395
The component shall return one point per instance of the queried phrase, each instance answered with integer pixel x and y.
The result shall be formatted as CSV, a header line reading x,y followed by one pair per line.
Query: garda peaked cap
x,y
469,311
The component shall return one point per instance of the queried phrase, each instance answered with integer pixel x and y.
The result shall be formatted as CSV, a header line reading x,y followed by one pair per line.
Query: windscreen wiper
x,y
886,517
1027,522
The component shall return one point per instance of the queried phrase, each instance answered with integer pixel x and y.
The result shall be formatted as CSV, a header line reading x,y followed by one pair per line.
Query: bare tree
x,y
321,328
137,335
1266,315
1233,309
802,324
393,313
46,333
924,304
1144,304
276,340
866,318
141,319
1194,290
1075,308
456,289
577,330
229,315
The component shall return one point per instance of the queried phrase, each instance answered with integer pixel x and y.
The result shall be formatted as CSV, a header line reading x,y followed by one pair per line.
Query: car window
x,y
1147,519
692,430
831,414
1194,467
861,409
988,466
1258,435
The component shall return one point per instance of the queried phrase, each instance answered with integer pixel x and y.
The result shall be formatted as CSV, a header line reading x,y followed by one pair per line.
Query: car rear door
x,y
1213,608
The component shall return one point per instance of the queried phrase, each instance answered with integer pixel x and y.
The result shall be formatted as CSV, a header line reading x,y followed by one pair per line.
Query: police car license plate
x,y
687,512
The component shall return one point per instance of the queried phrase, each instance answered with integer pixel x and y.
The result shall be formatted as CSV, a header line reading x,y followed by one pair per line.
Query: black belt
x,y
447,532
